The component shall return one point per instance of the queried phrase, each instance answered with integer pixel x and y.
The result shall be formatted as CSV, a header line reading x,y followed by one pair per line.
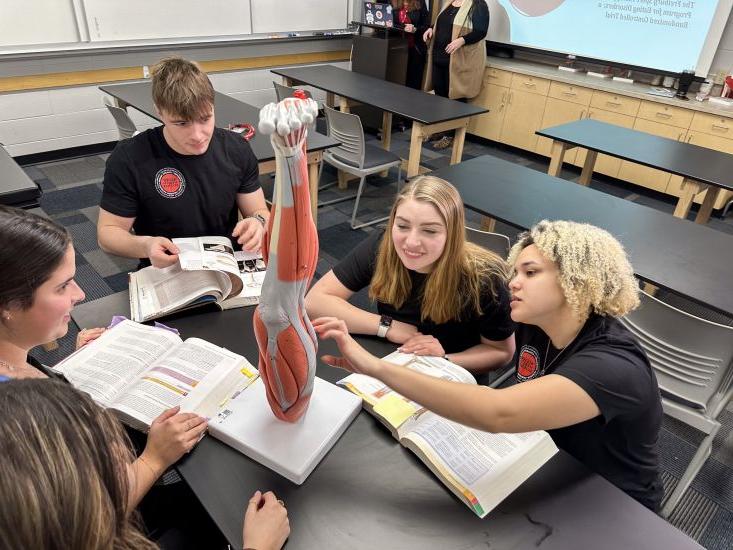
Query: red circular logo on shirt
x,y
170,183
528,363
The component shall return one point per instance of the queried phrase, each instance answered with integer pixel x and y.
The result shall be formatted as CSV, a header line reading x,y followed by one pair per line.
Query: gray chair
x,y
355,156
499,244
282,91
693,361
125,126
495,242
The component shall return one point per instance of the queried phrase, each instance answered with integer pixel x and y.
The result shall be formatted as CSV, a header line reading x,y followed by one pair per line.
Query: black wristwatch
x,y
385,321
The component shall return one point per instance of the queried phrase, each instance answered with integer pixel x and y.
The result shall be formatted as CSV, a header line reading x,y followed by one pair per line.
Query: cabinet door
x,y
674,187
523,118
605,164
642,175
558,111
493,98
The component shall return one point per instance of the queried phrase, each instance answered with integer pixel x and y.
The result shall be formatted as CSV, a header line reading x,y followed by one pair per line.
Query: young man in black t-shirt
x,y
582,375
186,178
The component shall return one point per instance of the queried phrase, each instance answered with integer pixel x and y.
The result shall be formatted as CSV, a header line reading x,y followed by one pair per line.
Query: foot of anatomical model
x,y
286,340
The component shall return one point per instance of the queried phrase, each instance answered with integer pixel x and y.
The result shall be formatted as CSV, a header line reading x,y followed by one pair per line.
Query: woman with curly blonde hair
x,y
583,376
436,294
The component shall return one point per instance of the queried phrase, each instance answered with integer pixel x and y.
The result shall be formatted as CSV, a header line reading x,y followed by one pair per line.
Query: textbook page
x,y
481,468
197,375
156,292
107,365
252,270
389,406
214,253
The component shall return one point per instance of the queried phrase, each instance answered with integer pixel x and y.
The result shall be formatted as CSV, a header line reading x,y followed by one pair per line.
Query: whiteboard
x,y
299,15
110,20
27,22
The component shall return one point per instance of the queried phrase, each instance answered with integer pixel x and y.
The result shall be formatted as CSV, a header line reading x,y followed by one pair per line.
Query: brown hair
x,y
462,271
63,481
31,248
181,88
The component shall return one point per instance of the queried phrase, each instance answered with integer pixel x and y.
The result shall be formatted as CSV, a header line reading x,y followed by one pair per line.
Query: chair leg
x,y
323,187
358,198
702,454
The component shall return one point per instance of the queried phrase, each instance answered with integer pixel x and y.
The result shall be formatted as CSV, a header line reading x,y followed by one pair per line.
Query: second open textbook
x,y
480,468
208,271
139,371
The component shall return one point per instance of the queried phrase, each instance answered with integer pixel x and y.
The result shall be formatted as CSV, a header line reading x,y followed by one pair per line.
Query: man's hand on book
x,y
266,525
248,233
172,435
88,335
423,344
354,358
161,251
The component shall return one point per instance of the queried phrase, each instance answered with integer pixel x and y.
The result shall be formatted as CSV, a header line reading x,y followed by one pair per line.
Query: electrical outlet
x,y
146,71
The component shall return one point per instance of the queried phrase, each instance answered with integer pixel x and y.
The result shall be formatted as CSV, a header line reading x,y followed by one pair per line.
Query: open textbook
x,y
139,371
480,468
208,271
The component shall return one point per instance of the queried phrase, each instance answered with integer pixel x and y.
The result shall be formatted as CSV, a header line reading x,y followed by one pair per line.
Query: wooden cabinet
x,y
488,125
565,103
520,105
524,110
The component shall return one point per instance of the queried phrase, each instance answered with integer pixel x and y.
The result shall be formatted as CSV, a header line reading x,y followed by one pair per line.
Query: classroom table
x,y
701,168
228,110
369,492
688,259
16,188
429,113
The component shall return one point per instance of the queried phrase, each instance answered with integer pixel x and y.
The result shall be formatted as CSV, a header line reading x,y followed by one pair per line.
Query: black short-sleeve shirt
x,y
610,366
173,195
355,272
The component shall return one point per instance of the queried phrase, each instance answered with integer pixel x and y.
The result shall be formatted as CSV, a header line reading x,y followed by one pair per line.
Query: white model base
x,y
291,450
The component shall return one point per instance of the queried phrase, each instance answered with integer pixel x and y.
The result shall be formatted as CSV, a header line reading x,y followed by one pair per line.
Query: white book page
x,y
214,253
106,366
196,375
164,290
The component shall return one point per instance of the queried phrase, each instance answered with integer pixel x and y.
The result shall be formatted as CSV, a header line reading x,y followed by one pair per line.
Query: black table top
x,y
227,110
388,96
16,188
690,259
369,492
683,159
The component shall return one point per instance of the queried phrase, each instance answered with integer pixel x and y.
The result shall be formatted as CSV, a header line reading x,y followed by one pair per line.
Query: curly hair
x,y
594,271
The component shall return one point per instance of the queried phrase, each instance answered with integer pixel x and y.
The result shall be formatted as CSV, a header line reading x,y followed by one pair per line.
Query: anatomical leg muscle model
x,y
284,334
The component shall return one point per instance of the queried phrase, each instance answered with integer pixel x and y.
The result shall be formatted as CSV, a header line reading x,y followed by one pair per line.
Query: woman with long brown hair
x,y
415,20
436,294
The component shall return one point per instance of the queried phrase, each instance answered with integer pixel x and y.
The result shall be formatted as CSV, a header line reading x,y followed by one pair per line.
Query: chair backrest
x,y
282,91
692,357
496,242
345,128
125,126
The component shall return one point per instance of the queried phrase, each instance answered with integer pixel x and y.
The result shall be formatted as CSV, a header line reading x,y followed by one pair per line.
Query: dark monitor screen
x,y
376,13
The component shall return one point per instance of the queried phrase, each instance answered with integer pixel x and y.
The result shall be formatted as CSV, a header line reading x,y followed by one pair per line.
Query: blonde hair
x,y
461,272
594,271
63,481
181,88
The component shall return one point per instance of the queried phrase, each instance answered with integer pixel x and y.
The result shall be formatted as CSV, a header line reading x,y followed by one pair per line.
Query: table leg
x,y
413,160
459,139
556,157
689,189
488,224
587,173
331,99
344,105
313,164
706,208
386,135
287,82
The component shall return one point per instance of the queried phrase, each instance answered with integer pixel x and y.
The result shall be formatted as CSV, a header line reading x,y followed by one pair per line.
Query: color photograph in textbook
x,y
480,468
208,271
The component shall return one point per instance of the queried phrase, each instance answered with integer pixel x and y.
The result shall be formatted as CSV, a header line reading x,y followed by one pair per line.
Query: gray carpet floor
x,y
71,193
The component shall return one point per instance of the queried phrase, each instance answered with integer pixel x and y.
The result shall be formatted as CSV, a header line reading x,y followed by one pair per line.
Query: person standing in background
x,y
413,16
457,53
